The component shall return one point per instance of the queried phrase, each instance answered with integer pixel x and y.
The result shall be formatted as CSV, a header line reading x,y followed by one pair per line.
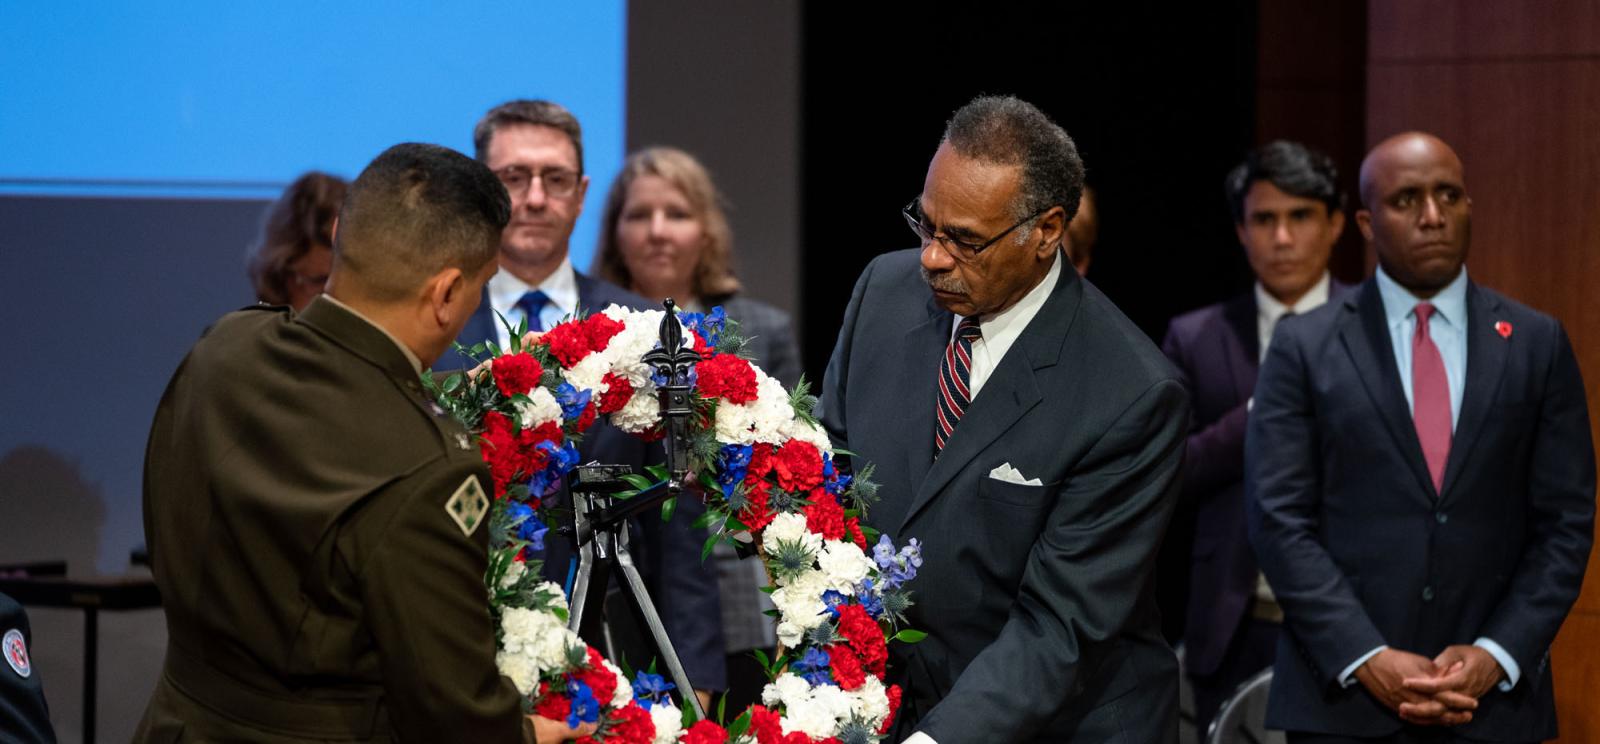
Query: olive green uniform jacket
x,y
297,483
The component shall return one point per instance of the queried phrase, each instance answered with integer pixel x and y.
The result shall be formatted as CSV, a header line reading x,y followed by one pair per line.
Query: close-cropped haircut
x,y
713,276
1293,168
415,210
1010,131
527,112
300,220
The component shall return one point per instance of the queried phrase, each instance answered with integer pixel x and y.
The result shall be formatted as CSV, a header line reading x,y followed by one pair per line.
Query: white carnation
x,y
624,692
804,431
832,702
813,714
845,565
800,601
735,423
790,528
641,413
786,690
589,373
790,634
520,669
540,408
668,721
870,702
771,409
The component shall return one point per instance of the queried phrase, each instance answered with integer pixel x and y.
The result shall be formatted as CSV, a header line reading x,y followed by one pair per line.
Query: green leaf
x,y
739,725
658,472
909,636
453,382
668,508
704,520
711,543
761,656
869,533
722,705
639,482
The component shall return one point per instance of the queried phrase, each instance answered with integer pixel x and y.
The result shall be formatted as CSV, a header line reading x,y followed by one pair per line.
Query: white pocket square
x,y
1007,474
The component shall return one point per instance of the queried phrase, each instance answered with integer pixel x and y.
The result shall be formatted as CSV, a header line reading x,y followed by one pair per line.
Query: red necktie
x,y
955,375
1430,397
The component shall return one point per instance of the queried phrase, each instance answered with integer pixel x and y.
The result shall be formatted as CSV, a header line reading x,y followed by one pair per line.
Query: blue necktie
x,y
530,304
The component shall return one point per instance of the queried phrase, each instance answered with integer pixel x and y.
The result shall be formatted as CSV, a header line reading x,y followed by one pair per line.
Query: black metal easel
x,y
601,519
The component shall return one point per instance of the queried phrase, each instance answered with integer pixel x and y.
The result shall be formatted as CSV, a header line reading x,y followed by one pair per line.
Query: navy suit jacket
x,y
1216,349
1038,599
683,587
1360,549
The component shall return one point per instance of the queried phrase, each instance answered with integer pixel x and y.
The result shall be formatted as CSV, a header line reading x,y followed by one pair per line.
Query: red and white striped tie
x,y
955,374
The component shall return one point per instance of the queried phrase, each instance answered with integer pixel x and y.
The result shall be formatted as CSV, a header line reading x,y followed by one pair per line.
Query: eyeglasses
x,y
557,182
959,249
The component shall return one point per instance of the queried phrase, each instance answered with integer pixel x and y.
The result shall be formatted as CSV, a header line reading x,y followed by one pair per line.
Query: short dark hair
x,y
300,220
530,112
1293,168
1010,131
415,210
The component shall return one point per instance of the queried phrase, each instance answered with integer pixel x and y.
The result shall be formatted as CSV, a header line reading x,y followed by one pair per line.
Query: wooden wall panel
x,y
1515,88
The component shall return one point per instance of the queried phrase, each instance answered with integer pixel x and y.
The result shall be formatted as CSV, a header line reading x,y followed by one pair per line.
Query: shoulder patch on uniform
x,y
16,652
468,505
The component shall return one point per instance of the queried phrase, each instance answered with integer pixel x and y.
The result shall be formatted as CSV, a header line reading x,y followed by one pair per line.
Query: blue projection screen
x,y
233,100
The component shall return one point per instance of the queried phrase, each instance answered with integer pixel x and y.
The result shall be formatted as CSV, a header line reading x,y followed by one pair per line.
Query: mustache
x,y
944,282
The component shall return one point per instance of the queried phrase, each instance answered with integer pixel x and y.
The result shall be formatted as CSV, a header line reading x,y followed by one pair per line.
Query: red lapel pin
x,y
1503,328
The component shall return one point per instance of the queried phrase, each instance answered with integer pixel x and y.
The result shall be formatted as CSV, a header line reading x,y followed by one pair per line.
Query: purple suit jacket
x,y
1217,351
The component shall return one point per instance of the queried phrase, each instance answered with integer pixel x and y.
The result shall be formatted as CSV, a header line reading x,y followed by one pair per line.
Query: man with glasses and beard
x,y
1030,435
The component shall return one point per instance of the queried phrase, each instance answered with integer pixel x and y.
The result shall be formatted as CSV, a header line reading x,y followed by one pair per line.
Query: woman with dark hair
x,y
664,234
290,263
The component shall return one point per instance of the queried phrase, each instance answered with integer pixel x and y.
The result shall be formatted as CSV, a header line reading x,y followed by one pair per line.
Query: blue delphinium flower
x,y
896,568
585,708
870,600
533,531
813,667
833,598
651,689
883,552
733,462
572,400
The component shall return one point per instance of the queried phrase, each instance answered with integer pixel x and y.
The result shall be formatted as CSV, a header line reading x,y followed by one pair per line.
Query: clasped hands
x,y
1443,691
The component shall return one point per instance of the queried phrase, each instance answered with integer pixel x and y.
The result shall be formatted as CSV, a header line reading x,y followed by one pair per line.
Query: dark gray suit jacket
x,y
1362,552
1038,600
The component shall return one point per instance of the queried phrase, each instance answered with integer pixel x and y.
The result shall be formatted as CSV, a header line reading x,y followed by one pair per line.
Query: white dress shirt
x,y
504,291
1003,329
1269,310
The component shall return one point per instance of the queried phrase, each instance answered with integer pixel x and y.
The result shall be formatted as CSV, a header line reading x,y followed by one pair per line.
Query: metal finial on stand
x,y
601,520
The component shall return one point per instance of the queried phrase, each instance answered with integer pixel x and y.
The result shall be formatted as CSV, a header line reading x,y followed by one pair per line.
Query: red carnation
x,y
631,724
894,707
516,374
799,466
757,514
761,461
765,725
702,346
599,329
797,737
824,516
599,679
864,637
728,377
845,666
568,343
552,706
852,527
499,449
586,418
618,392
705,732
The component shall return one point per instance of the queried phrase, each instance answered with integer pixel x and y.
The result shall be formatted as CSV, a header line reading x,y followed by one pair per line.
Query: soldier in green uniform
x,y
315,522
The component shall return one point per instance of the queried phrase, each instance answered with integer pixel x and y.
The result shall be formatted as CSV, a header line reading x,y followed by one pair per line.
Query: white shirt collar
x,y
561,287
1003,329
1269,310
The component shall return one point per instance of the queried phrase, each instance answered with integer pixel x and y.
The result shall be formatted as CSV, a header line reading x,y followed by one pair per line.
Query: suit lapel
x,y
1010,392
1486,362
922,348
1372,353
1242,353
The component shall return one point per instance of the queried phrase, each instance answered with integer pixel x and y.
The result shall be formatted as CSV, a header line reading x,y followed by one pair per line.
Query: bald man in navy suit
x,y
1421,484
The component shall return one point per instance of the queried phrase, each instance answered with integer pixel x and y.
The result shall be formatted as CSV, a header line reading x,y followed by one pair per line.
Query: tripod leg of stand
x,y
587,605
647,609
